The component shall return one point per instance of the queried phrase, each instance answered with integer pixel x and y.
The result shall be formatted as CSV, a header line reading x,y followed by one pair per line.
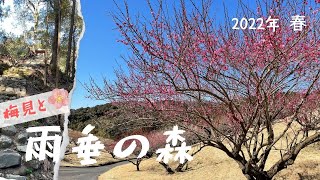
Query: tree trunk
x,y
45,68
257,177
179,168
71,31
138,163
46,47
56,41
74,56
252,173
168,169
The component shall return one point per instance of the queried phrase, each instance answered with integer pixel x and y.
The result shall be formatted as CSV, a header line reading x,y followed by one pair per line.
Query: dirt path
x,y
90,173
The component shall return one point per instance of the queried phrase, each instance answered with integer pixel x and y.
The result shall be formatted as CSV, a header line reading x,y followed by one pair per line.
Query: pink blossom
x,y
59,98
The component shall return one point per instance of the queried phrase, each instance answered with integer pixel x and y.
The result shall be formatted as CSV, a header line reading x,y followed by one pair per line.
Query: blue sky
x,y
99,52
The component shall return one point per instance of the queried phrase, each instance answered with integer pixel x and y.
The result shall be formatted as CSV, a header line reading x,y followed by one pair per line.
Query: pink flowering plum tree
x,y
156,140
252,93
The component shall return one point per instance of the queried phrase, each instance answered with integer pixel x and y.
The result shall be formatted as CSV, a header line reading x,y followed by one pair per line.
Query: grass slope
x,y
212,163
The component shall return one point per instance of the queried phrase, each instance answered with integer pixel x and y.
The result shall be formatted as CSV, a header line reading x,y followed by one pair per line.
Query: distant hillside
x,y
111,121
98,116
